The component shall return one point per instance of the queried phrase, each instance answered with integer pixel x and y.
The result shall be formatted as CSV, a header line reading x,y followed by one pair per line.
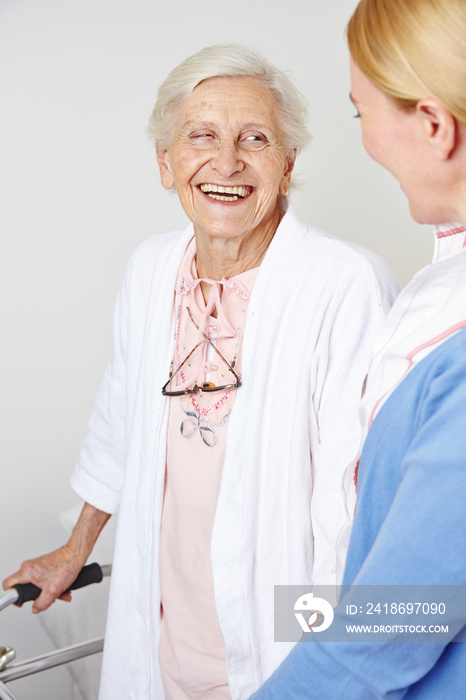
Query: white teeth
x,y
222,199
237,190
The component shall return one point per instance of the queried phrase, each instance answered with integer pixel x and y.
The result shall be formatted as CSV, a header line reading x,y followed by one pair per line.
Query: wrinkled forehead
x,y
233,101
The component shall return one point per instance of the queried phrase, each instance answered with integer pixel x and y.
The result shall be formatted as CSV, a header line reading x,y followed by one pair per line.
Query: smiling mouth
x,y
226,194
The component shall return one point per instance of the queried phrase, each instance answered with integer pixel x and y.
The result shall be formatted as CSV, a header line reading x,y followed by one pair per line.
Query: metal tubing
x,y
50,660
106,570
7,655
5,693
10,596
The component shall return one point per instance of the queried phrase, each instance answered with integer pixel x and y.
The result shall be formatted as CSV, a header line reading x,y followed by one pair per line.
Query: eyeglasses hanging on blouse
x,y
204,386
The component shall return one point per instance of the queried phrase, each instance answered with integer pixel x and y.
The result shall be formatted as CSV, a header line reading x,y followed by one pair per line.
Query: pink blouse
x,y
192,649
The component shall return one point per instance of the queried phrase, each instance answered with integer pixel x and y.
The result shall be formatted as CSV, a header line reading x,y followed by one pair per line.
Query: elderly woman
x,y
408,74
230,407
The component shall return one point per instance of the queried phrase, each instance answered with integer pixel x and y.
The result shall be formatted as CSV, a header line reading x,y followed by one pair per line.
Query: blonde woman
x,y
408,74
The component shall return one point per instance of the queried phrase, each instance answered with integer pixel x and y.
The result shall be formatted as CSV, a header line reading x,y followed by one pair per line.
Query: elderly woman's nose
x,y
227,158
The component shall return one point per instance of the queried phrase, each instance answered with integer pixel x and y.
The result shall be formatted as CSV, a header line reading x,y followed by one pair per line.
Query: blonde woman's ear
x,y
440,127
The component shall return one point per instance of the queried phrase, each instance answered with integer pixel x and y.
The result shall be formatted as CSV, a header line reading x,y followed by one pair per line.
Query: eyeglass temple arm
x,y
230,366
172,374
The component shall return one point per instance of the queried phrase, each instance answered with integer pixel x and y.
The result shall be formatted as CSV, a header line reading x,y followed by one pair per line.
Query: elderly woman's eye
x,y
202,137
253,140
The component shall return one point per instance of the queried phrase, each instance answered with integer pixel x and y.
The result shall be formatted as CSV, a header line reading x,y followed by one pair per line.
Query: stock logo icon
x,y
319,609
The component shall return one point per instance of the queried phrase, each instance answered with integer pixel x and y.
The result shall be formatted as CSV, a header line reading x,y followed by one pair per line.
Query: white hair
x,y
222,61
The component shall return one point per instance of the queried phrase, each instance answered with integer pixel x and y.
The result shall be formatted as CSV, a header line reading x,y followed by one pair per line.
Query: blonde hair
x,y
413,49
229,61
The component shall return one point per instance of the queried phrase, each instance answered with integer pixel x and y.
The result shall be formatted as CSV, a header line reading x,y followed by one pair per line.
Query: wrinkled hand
x,y
53,573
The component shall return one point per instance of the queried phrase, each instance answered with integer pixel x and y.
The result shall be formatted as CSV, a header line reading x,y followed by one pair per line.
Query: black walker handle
x,y
92,573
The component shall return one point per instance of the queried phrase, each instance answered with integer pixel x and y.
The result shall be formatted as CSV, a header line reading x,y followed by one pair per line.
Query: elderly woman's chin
x,y
226,219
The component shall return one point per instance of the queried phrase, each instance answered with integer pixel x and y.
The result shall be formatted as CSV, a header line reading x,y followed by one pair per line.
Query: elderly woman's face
x,y
227,157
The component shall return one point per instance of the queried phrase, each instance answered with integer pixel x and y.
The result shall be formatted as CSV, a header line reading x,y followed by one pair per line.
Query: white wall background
x,y
79,190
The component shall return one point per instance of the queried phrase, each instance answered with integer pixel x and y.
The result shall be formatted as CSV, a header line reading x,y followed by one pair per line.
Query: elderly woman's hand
x,y
55,572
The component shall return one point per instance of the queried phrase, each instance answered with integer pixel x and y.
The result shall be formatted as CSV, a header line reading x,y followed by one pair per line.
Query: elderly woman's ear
x,y
166,175
289,165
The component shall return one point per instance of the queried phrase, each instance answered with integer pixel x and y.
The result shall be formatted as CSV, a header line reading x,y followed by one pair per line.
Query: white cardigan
x,y
316,306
